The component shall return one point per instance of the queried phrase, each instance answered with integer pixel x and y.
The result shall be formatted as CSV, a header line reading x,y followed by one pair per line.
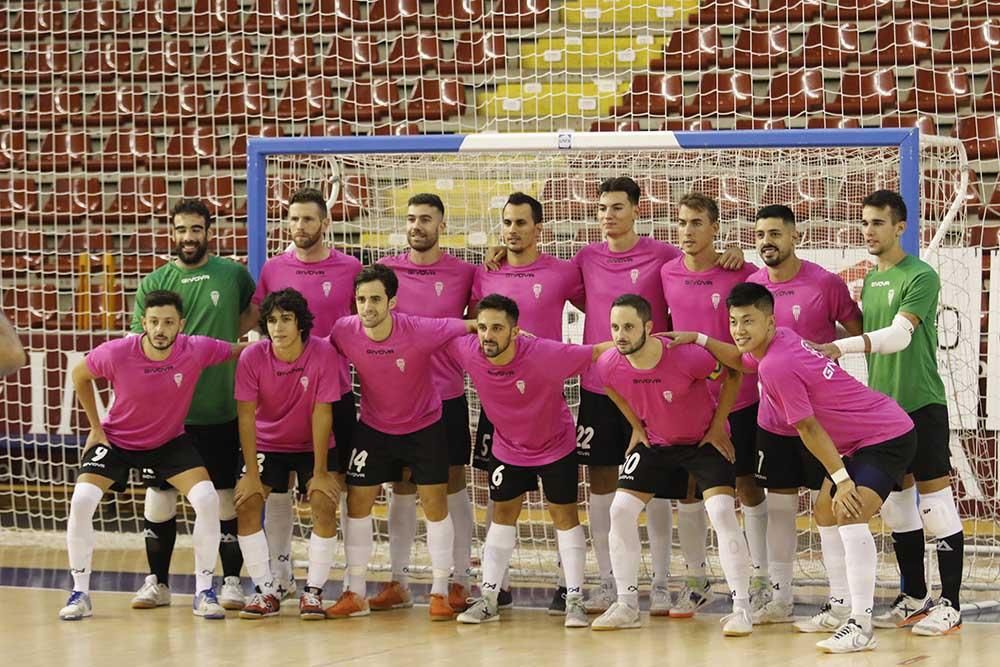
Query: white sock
x,y
782,542
660,527
255,558
402,534
441,547
344,528
625,547
460,511
733,553
692,531
860,558
279,510
358,551
206,533
600,526
505,583
573,554
321,550
80,536
755,527
836,565
497,550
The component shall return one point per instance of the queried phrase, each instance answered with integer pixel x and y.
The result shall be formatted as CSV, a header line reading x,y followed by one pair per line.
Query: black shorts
x,y
218,445
455,415
882,467
645,467
275,468
111,461
483,450
560,480
743,433
345,421
933,457
783,462
602,432
378,457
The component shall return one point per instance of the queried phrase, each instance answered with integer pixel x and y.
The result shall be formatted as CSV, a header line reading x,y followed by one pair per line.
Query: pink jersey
x,y
441,289
524,398
327,285
697,302
398,394
800,383
607,275
152,397
810,304
673,399
540,290
285,392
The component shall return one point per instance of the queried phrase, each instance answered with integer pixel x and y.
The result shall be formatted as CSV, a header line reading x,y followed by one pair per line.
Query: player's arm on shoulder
x,y
249,318
726,353
732,258
601,348
638,430
250,484
887,340
12,355
83,384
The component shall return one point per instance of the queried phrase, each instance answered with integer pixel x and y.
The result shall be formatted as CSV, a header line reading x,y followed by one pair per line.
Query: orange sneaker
x,y
391,595
440,609
458,597
349,605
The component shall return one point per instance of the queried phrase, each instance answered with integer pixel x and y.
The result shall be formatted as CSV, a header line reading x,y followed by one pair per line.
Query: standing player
x,y
284,387
863,439
159,368
217,293
520,381
325,277
666,397
900,301
400,426
432,283
694,287
810,301
12,355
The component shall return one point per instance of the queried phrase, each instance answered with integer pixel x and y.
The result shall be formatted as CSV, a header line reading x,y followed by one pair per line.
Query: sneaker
x,y
152,594
480,611
77,606
311,605
943,619
601,599
619,616
558,605
829,619
760,594
505,599
458,596
774,612
849,638
439,608
261,605
231,595
697,593
287,591
349,605
576,613
905,610
737,624
660,600
206,605
391,595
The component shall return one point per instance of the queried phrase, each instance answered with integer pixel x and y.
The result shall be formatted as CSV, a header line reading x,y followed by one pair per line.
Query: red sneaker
x,y
261,605
391,595
440,610
349,605
458,597
311,606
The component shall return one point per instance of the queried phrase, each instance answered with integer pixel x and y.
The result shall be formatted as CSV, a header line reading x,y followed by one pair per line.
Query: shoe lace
x,y
845,630
899,601
75,596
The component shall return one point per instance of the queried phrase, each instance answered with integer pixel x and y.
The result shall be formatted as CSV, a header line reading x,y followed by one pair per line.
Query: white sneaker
x,y
660,600
231,595
77,606
849,638
829,619
737,624
760,594
206,605
697,593
482,610
619,616
576,613
943,619
152,594
774,612
905,610
601,599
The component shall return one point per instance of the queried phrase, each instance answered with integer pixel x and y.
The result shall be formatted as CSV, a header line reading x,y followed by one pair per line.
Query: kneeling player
x,y
284,386
664,393
864,440
159,368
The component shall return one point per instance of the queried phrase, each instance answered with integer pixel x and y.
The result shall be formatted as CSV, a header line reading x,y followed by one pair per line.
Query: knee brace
x,y
160,505
939,514
899,511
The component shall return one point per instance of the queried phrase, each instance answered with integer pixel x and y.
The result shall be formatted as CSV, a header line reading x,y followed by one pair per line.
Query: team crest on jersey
x,y
796,311
892,293
716,299
438,287
401,365
304,381
178,378
520,386
537,289
215,297
326,288
668,396
634,275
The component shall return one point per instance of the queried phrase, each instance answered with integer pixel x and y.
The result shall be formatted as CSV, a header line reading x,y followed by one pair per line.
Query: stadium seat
x,y
93,17
39,19
899,43
858,10
805,196
940,189
412,53
992,210
179,102
20,250
11,106
231,240
327,16
306,98
124,150
832,122
350,56
189,147
791,93
104,61
602,53
242,101
432,99
476,53
352,200
757,46
273,16
828,45
74,200
723,12
574,198
517,14
42,62
228,57
154,17
616,126
657,201
167,58
369,99
328,129
237,156
789,11
690,49
982,8
760,124
288,55
989,102
386,15
138,199
18,198
975,41
70,246
146,250
102,305
733,195
217,193
929,9
396,129
652,95
36,307
114,106
686,125
865,92
939,90
584,101
924,122
454,14
61,150
214,16
980,135
722,93
13,149
52,107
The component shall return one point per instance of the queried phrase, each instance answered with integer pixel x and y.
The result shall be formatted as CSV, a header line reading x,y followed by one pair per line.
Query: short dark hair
x,y
310,196
193,207
640,304
786,214
887,198
290,301
163,297
621,184
751,294
426,199
701,202
499,302
520,199
380,273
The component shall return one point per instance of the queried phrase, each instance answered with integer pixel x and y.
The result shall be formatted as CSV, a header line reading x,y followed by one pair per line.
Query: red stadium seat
x,y
616,126
982,8
791,93
865,92
288,55
350,56
146,250
39,19
237,157
940,189
832,122
74,200
518,14
989,102
723,12
369,99
686,125
992,210
690,49
573,198
386,15
396,129
722,93
93,18
11,105
924,122
242,101
858,10
656,202
352,200
228,56
216,192
758,46
139,198
114,106
179,102
828,45
42,63
476,53
20,250
36,307
154,17
18,198
652,95
980,135
190,147
733,195
104,61
273,16
413,53
929,9
976,41
432,99
326,129
306,98
328,16
805,196
760,124
124,150
52,106
13,149
899,43
214,16
939,91
167,58
454,14
61,150
789,11
101,306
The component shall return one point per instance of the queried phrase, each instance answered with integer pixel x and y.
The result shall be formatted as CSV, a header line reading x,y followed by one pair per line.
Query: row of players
x,y
692,287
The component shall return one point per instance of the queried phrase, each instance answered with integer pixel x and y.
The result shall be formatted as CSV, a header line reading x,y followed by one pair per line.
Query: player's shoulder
x,y
394,261
608,360
674,265
547,260
255,351
759,276
785,346
913,266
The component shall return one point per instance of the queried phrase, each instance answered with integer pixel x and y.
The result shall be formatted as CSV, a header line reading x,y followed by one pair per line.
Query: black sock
x,y
229,549
160,538
909,548
951,560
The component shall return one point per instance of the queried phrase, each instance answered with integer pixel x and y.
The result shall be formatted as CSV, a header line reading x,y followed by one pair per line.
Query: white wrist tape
x,y
886,340
701,340
840,476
